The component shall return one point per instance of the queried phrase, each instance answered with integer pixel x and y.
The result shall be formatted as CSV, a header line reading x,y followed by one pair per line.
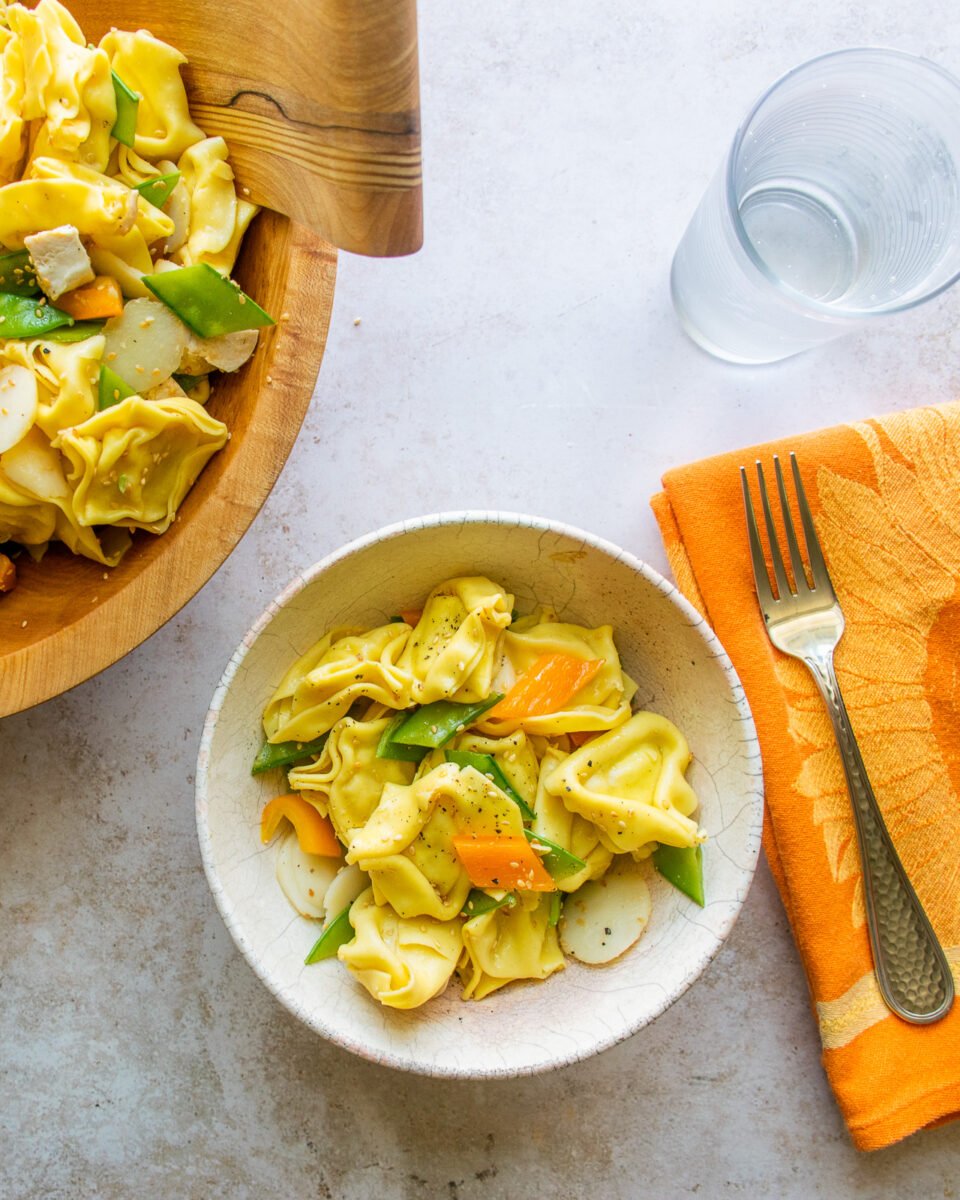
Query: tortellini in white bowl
x,y
405,947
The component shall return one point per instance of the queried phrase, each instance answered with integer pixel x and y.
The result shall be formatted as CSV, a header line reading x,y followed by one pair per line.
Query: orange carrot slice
x,y
546,687
314,832
411,615
580,737
92,301
502,862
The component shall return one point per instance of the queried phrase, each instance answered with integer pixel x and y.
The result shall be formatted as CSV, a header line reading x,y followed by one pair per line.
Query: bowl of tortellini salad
x,y
479,795
159,341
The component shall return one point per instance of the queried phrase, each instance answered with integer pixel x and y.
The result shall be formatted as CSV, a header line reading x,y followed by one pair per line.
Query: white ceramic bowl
x,y
683,673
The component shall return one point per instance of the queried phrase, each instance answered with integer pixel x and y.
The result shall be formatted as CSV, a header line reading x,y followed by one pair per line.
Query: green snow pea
x,y
559,862
435,724
112,388
17,274
21,317
334,935
479,902
388,748
188,382
79,331
683,867
285,754
207,301
128,105
157,189
487,765
556,906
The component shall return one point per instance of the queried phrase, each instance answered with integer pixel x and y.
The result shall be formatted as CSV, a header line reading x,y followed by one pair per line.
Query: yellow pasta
x,y
11,105
152,69
630,783
471,832
452,652
603,704
133,463
82,128
403,964
66,376
554,820
343,667
405,846
67,85
103,213
217,218
509,944
346,781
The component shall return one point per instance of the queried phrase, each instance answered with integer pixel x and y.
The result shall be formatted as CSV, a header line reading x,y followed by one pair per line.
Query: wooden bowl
x,y
68,617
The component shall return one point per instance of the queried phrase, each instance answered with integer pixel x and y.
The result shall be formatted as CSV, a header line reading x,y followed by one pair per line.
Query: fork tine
x,y
799,578
818,568
760,577
783,587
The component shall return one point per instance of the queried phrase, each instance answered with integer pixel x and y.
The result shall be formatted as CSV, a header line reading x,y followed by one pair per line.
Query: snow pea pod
x,y
285,754
683,867
79,331
21,317
128,105
157,189
334,935
207,301
479,902
487,765
559,862
112,388
18,275
388,748
435,724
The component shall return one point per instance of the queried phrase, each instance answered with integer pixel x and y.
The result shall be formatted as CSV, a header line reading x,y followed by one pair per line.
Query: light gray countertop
x,y
526,359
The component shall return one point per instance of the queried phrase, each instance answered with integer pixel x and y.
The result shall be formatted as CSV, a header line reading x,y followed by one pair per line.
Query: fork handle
x,y
912,971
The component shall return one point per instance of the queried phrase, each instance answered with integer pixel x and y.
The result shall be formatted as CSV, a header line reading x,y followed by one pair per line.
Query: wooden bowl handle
x,y
319,101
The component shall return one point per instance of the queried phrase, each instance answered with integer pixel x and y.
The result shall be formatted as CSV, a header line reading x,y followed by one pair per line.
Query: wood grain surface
x,y
68,617
318,99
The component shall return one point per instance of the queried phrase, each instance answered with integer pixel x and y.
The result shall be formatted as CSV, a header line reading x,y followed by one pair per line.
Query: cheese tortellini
x,y
475,767
105,181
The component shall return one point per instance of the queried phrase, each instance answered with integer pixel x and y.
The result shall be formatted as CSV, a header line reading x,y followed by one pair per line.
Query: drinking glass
x,y
838,204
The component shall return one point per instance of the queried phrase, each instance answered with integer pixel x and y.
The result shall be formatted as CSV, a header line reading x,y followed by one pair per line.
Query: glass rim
x,y
807,303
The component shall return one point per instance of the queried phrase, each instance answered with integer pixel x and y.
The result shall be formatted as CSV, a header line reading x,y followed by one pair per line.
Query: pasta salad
x,y
470,792
120,224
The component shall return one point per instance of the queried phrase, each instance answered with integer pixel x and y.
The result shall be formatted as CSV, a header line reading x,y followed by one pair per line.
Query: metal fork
x,y
805,621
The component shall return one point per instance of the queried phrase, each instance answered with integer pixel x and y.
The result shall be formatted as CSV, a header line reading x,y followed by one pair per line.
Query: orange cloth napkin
x,y
885,496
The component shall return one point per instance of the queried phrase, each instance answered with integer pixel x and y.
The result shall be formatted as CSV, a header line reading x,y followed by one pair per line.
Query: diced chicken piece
x,y
60,260
168,390
228,352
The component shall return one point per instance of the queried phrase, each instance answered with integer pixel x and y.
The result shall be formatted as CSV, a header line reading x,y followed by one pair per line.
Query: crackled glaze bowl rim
x,y
504,519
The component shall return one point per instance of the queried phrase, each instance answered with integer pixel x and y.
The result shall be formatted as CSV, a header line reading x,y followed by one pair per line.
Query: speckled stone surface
x,y
527,359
